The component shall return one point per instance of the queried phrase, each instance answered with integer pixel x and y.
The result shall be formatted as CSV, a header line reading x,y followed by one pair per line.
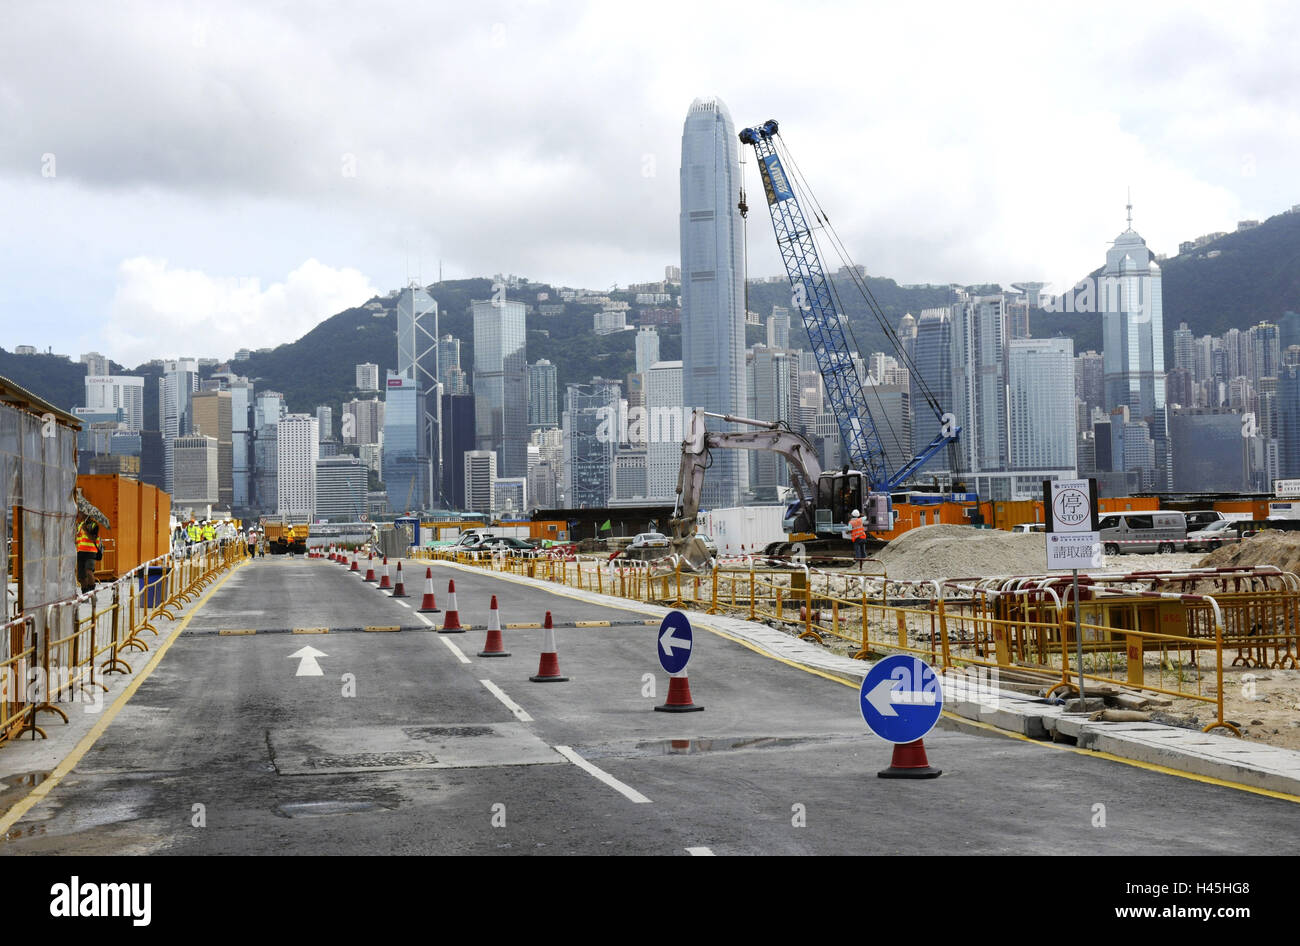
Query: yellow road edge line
x,y
20,808
389,627
311,630
233,632
1044,743
1149,766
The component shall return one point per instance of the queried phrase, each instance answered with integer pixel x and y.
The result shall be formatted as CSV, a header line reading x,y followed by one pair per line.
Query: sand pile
x,y
1266,548
947,551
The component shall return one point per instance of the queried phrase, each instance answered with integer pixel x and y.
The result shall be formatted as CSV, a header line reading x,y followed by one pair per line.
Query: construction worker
x,y
88,552
858,533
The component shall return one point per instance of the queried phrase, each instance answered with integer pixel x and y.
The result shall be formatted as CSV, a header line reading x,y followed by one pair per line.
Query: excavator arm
x,y
797,450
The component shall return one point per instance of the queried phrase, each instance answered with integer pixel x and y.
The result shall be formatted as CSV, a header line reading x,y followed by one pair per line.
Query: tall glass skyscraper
x,y
501,384
417,359
713,316
406,471
1128,296
933,357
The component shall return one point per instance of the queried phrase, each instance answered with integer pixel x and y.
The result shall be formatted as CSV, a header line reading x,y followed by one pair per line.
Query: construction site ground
x,y
1263,703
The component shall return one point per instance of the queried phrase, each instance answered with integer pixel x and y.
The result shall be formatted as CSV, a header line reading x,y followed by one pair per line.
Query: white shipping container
x,y
740,530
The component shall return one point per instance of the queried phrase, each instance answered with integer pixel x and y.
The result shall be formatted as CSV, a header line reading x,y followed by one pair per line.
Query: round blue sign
x,y
675,642
901,698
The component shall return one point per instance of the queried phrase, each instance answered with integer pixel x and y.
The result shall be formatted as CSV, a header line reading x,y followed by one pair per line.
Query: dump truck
x,y
288,536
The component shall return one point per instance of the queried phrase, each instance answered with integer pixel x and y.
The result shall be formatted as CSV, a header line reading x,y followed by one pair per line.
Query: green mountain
x,y
1236,281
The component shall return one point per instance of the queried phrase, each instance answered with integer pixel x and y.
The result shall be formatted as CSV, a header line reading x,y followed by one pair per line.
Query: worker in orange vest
x,y
858,533
88,552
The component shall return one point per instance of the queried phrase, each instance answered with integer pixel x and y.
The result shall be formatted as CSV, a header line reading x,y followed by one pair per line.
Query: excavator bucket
x,y
694,555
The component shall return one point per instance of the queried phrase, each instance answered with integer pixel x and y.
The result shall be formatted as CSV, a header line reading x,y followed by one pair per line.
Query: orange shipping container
x,y
118,498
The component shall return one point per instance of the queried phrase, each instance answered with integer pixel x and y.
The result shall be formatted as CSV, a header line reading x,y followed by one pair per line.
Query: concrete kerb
x,y
1209,755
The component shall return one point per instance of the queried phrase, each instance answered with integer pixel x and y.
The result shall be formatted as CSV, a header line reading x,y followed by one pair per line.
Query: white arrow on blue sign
x,y
901,698
675,642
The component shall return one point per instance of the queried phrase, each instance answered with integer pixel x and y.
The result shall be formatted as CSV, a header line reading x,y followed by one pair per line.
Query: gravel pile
x,y
1266,548
947,551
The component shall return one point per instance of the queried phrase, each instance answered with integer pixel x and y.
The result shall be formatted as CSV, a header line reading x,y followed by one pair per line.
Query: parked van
x,y
1143,532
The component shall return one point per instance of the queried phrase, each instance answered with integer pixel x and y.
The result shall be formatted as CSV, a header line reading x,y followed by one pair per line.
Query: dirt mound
x,y
948,551
1266,548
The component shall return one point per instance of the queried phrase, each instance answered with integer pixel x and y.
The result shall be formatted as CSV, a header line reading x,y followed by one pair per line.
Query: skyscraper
x,y
1129,298
406,469
979,342
213,417
933,358
647,348
368,377
109,392
543,396
501,384
297,450
1040,375
417,360
713,316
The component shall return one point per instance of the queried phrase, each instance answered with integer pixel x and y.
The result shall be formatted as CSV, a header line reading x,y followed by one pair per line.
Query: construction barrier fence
x,y
1153,632
59,656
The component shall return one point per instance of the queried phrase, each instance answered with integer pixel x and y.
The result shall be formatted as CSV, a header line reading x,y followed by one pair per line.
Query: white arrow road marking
x,y
308,667
883,696
668,642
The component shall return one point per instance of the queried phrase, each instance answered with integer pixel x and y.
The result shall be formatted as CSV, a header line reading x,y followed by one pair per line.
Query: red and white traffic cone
x,y
399,587
370,568
679,696
355,555
494,646
548,667
451,620
386,583
428,604
909,761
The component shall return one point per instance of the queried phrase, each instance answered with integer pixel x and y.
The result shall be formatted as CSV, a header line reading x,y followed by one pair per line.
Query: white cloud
x,y
158,310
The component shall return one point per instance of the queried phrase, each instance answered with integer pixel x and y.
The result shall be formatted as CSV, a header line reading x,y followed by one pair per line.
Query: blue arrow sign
x,y
901,698
675,642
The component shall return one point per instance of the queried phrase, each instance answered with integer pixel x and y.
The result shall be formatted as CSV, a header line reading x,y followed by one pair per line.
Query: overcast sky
x,y
195,177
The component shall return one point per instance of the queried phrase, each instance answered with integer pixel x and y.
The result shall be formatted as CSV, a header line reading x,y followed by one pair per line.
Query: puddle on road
x,y
317,809
698,746
23,780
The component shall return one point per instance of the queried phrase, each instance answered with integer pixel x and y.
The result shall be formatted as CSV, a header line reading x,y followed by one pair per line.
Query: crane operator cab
x,y
838,494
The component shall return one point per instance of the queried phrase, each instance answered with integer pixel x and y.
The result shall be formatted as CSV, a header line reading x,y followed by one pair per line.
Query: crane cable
x,y
864,290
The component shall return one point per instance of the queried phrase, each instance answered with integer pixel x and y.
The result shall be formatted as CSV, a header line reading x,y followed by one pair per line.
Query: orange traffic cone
x,y
399,587
386,583
355,555
909,761
679,697
428,604
494,646
548,668
370,568
451,620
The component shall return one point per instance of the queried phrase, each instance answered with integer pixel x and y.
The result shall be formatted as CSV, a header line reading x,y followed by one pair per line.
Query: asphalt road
x,y
399,747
